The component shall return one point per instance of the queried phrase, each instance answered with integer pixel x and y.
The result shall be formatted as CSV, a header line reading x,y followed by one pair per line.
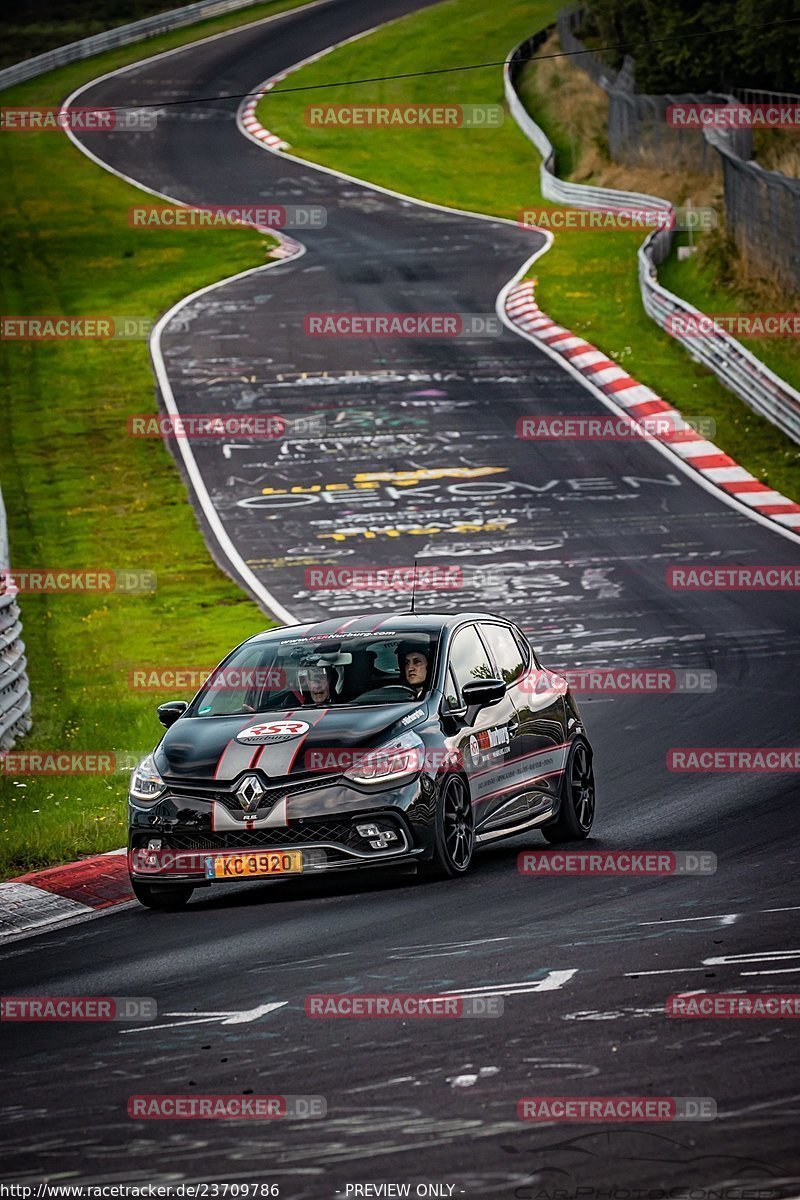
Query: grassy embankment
x,y
81,493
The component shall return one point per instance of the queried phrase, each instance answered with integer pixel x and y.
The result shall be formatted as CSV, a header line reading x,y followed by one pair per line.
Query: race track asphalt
x,y
571,539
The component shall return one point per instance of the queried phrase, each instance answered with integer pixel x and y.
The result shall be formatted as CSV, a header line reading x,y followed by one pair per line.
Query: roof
x,y
380,623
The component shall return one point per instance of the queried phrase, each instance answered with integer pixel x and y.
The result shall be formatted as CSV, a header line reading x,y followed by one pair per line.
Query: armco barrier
x,y
15,697
750,379
123,35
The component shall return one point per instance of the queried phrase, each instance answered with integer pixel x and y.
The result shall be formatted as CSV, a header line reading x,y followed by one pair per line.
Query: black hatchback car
x,y
370,742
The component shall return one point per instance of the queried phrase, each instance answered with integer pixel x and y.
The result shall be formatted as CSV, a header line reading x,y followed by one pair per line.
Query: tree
x,y
766,58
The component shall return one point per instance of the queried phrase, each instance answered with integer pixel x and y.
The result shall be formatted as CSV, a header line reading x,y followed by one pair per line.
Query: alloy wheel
x,y
458,824
582,786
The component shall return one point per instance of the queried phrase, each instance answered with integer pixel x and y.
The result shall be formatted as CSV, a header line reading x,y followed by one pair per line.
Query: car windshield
x,y
290,672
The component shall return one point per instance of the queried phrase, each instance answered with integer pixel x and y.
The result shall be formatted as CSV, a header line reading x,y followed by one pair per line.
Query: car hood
x,y
208,748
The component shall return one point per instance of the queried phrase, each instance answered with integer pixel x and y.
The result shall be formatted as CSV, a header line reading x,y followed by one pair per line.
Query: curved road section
x,y
400,448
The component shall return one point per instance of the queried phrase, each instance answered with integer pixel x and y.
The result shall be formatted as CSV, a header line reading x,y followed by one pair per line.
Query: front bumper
x,y
177,837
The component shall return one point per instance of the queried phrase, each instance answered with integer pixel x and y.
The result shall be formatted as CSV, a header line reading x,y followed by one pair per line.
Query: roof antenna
x,y
414,586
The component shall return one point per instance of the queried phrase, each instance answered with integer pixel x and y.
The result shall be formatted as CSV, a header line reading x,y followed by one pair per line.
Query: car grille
x,y
231,800
309,832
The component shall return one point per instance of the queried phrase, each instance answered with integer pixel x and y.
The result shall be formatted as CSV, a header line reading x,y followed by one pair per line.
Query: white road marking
x,y
755,956
439,949
551,983
225,1018
751,1108
169,1025
725,918
197,1014
594,1014
665,971
469,1080
444,945
749,958
782,971
261,1010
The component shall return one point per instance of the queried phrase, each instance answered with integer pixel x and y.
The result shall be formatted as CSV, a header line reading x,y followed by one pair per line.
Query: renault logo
x,y
249,792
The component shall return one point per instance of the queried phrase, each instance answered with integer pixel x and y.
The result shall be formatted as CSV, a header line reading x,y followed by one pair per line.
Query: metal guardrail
x,y
750,379
123,35
15,696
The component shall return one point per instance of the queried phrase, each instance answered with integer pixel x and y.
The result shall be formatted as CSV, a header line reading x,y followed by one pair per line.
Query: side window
x,y
234,686
468,661
505,651
451,691
528,653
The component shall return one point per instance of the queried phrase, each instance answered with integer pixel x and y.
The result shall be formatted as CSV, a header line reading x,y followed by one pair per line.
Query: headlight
x,y
146,783
402,757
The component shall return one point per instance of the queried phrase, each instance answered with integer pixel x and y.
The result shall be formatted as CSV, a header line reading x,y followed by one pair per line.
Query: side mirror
x,y
481,693
168,713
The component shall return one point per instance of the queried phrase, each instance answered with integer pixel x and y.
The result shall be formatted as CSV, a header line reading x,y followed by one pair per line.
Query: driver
x,y
319,685
414,660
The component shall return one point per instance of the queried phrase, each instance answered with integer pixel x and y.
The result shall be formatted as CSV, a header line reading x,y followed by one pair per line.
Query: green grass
x,y
588,279
697,279
79,492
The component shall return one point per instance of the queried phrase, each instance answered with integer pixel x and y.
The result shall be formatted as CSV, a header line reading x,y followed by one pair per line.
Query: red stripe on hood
x,y
300,741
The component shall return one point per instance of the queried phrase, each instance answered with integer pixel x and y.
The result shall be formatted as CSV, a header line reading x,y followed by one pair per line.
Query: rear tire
x,y
455,832
576,814
165,896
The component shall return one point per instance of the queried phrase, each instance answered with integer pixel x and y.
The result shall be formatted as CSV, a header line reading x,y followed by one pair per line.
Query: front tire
x,y
455,831
578,801
164,896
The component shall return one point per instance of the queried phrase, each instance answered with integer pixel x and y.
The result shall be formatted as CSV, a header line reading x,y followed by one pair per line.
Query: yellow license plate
x,y
258,862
